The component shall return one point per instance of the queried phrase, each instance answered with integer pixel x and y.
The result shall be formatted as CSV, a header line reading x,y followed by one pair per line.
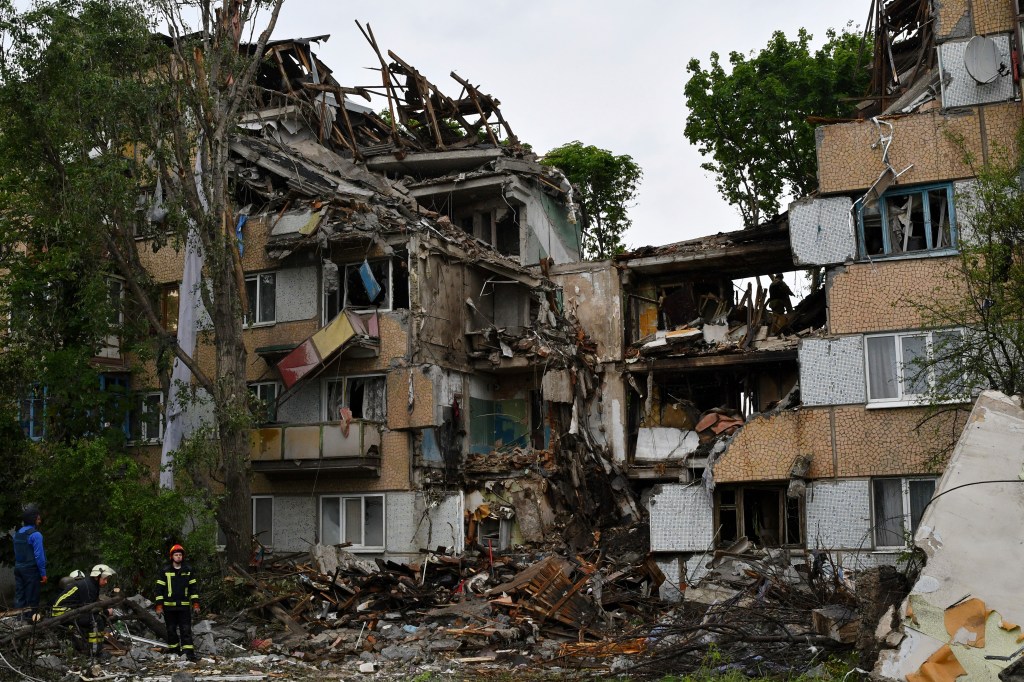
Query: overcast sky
x,y
609,74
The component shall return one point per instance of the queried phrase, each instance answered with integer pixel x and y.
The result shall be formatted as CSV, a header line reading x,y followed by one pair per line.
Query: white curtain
x,y
888,512
882,377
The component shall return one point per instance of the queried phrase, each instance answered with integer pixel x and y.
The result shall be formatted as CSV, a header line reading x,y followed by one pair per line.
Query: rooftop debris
x,y
304,614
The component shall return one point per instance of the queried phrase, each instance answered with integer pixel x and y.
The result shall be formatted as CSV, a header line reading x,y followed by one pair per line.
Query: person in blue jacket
x,y
29,562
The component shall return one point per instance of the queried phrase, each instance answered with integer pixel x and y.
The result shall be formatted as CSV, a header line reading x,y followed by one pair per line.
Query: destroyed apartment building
x,y
806,431
419,376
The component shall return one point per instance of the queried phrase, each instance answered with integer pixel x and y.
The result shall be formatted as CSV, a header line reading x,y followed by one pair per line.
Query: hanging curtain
x,y
882,377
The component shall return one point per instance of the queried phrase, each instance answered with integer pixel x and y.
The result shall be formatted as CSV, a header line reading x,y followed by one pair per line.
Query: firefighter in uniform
x,y
177,596
87,627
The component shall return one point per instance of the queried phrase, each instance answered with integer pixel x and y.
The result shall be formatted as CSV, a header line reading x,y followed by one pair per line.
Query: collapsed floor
x,y
546,612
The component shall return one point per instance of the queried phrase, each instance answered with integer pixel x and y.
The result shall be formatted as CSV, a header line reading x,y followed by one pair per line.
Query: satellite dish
x,y
982,59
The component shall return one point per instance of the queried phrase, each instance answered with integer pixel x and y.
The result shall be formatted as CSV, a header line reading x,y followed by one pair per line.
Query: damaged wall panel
x,y
960,89
839,514
821,231
682,518
421,520
593,292
832,371
296,297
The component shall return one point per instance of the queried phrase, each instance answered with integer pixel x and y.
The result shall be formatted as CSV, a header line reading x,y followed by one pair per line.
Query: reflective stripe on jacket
x,y
177,587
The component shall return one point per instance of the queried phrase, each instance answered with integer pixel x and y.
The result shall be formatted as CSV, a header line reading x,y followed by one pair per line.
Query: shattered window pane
x,y
907,221
356,294
354,520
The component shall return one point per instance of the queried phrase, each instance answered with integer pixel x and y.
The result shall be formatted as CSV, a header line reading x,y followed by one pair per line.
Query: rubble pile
x,y
304,614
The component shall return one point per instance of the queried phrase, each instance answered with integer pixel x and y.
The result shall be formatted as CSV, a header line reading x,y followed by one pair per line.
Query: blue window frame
x,y
913,220
33,413
116,411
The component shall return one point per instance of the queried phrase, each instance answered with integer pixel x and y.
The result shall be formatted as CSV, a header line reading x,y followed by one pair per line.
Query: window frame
x,y
256,391
255,305
169,319
325,395
903,398
342,511
883,214
139,403
34,424
257,535
907,520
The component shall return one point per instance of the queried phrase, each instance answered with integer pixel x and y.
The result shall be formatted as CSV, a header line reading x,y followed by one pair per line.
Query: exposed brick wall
x,y
991,16
847,163
884,442
885,295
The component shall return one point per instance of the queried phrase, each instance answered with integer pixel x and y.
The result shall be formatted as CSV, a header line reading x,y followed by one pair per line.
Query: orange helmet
x,y
176,548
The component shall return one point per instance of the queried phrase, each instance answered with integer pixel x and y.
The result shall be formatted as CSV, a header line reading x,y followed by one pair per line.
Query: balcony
x,y
306,449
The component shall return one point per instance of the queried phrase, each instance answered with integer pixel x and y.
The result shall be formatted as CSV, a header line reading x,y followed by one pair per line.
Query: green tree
x,y
752,121
607,184
981,303
93,110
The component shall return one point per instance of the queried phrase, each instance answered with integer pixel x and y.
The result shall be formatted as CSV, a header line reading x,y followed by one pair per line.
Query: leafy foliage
x,y
752,120
95,111
607,184
984,289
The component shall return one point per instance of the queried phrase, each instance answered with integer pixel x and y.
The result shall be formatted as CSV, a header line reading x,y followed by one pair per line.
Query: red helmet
x,y
176,548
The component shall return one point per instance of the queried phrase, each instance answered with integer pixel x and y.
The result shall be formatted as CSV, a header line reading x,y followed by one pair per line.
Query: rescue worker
x,y
177,595
29,562
778,296
87,628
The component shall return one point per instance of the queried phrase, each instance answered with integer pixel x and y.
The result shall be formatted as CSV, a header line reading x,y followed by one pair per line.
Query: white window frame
x,y
140,400
342,510
905,496
34,423
325,394
257,277
904,373
111,348
265,539
259,389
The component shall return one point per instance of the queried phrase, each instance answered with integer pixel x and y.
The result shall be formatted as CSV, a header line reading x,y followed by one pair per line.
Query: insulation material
x,y
965,623
296,222
821,231
839,514
659,443
681,518
941,667
832,371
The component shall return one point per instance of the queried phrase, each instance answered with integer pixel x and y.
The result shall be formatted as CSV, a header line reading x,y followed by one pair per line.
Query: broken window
x,y
908,221
379,285
496,424
764,515
147,417
894,364
898,505
364,396
355,520
261,290
497,227
263,401
263,519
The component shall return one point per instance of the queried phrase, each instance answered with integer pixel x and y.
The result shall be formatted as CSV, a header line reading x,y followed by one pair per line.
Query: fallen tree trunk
x,y
50,623
150,620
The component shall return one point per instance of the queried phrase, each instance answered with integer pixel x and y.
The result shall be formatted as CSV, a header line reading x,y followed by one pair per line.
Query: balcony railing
x,y
301,449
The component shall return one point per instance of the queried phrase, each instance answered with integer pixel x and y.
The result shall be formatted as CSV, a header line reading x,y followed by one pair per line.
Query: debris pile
x,y
302,614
